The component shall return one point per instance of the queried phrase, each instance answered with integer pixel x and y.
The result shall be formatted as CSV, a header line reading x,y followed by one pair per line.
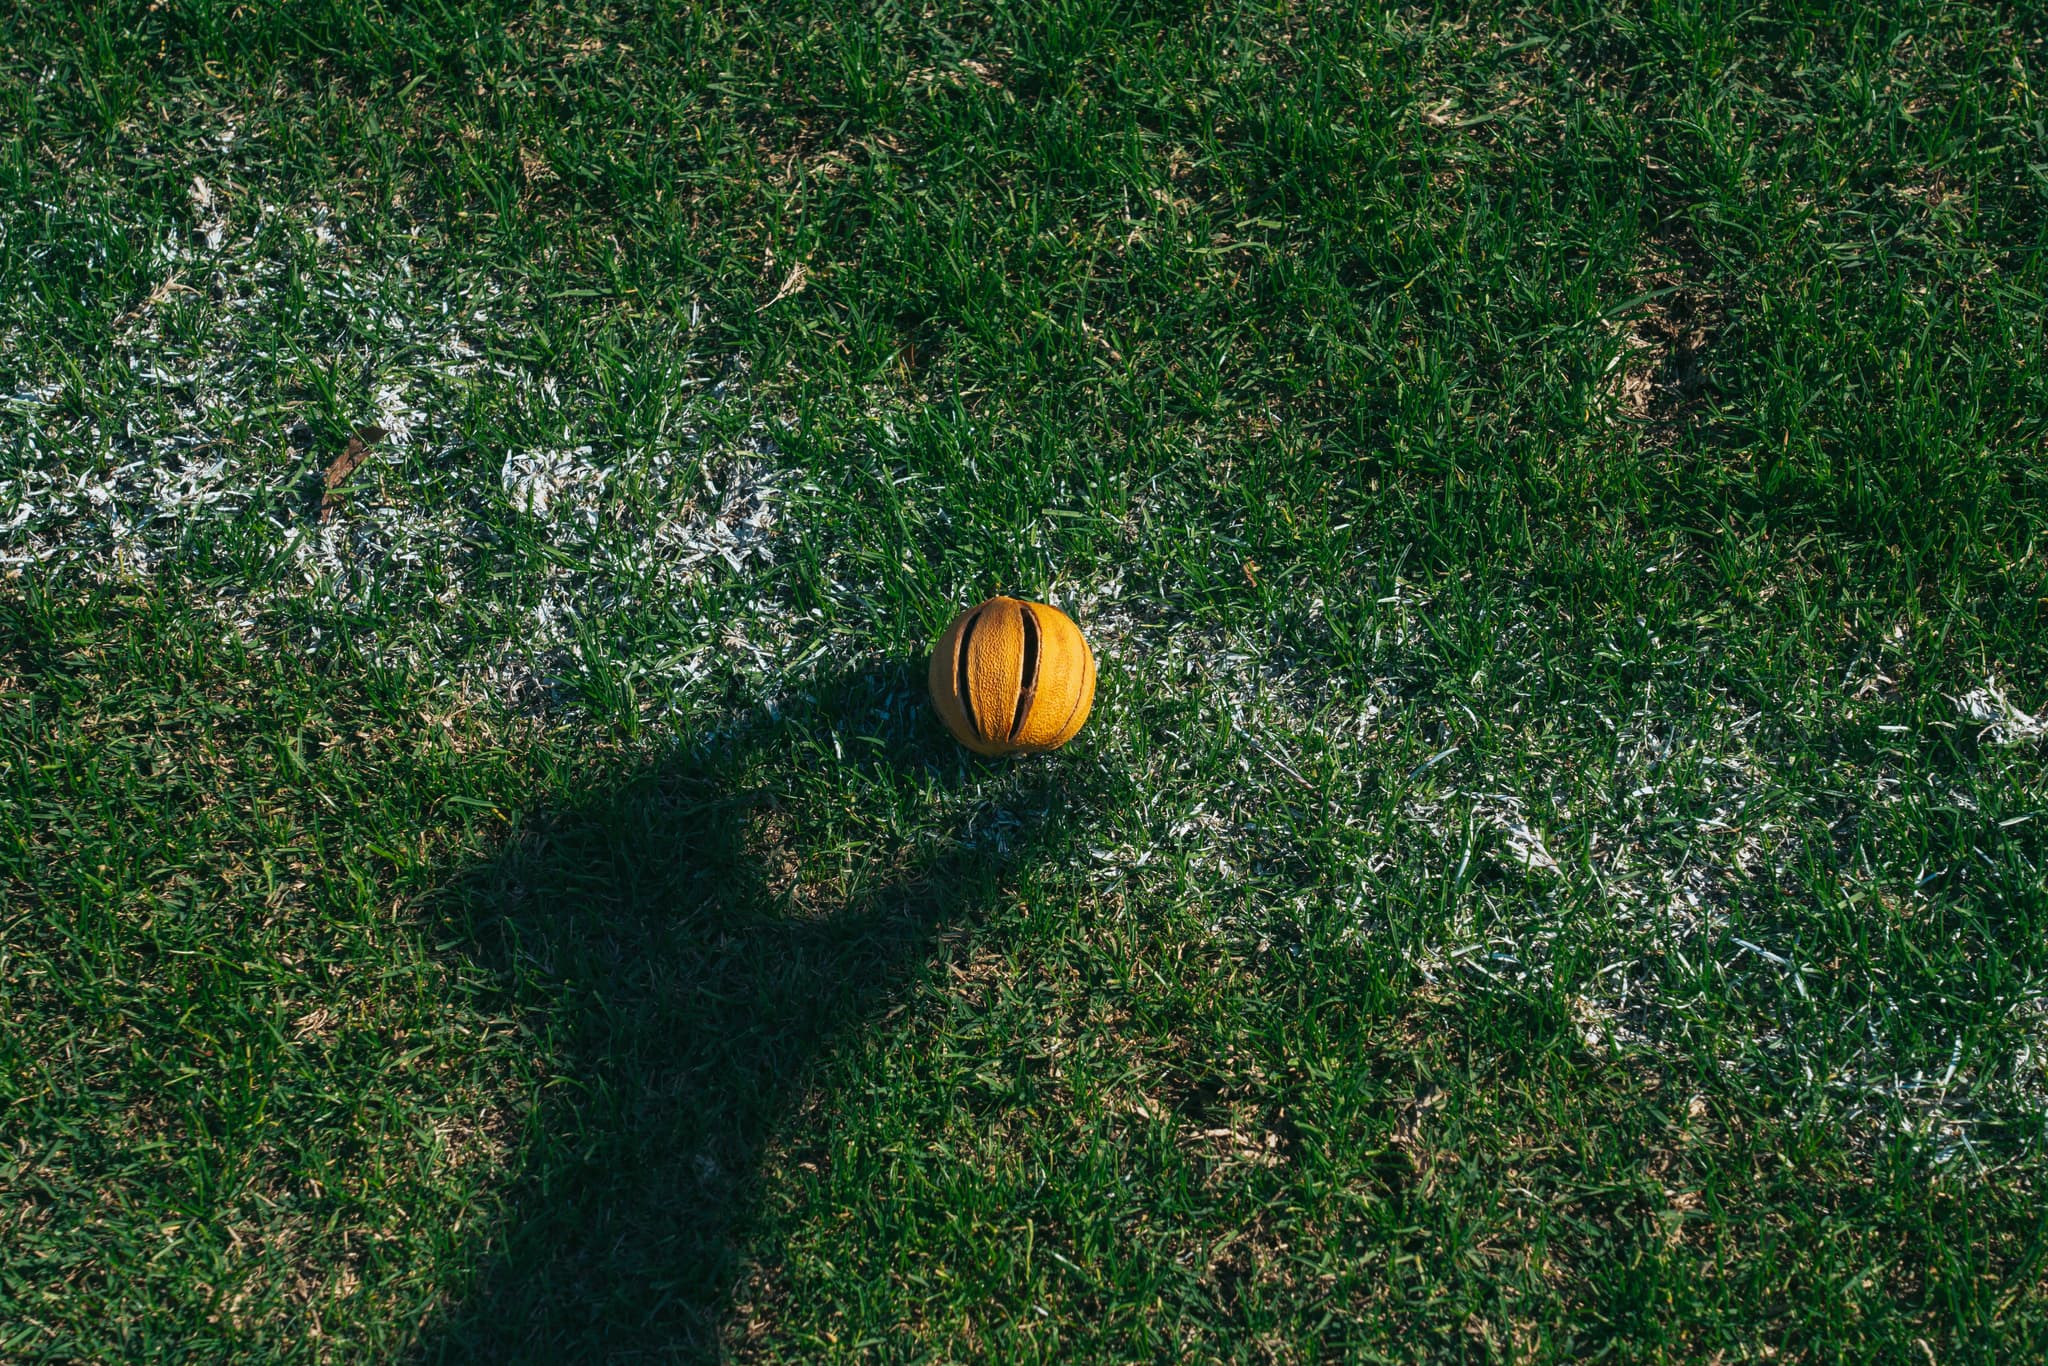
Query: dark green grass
x,y
456,932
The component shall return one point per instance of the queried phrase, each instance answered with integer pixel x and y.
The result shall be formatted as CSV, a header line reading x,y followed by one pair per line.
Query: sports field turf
x,y
1559,495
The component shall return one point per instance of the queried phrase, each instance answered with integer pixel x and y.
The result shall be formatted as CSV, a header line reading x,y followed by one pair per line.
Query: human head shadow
x,y
681,948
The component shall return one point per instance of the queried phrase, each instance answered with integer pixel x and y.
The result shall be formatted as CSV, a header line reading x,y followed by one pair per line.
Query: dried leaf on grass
x,y
792,283
345,464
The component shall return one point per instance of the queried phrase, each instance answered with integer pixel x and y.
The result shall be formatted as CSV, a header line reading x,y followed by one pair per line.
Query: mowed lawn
x,y
1559,496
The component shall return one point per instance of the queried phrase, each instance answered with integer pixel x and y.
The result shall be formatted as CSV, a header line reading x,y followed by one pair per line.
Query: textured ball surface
x,y
1012,677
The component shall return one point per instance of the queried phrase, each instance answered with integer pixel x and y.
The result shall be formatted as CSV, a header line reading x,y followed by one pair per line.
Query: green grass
x,y
1555,871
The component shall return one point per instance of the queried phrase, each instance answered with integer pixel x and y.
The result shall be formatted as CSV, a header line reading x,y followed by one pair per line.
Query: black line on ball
x,y
1028,685
967,697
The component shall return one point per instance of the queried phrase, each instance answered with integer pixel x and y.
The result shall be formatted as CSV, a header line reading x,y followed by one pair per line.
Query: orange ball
x,y
1012,677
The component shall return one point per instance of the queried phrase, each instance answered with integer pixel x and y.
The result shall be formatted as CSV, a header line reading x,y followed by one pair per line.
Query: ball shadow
x,y
682,947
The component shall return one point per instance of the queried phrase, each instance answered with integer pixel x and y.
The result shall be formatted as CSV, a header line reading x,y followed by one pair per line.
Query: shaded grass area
x,y
1541,479
684,936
